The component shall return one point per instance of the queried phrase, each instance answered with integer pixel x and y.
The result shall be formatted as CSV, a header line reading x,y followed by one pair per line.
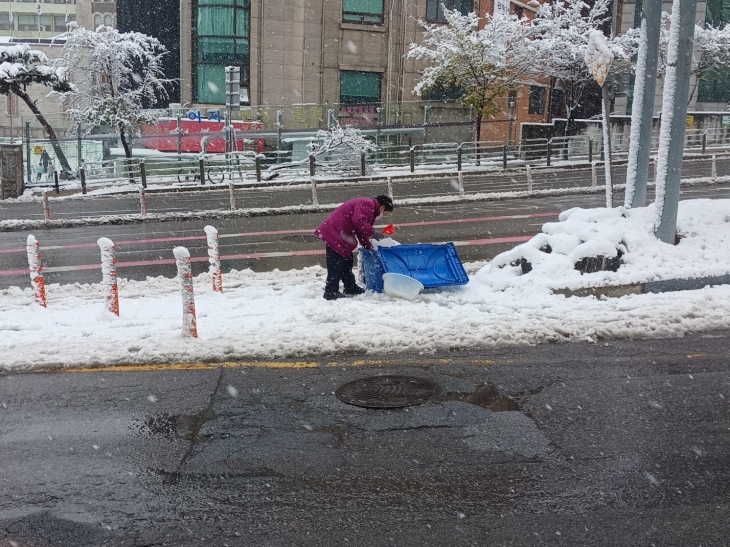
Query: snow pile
x,y
625,233
275,315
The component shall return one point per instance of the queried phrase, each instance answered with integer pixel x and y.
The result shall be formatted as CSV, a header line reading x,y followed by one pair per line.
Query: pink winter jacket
x,y
349,223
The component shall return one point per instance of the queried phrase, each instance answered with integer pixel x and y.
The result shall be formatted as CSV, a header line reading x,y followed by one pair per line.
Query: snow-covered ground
x,y
283,315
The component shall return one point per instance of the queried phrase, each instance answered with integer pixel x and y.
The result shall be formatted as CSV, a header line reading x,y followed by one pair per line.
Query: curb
x,y
650,287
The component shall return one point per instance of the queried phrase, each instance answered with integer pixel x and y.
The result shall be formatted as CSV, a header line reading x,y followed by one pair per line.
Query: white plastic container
x,y
401,286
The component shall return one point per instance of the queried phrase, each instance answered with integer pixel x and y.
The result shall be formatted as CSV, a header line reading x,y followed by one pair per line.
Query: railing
x,y
388,160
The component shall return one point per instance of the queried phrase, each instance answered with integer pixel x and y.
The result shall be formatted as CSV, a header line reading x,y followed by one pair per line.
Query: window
x,y
222,39
108,20
556,103
97,20
359,87
446,94
537,100
362,11
713,87
5,23
435,12
59,22
27,22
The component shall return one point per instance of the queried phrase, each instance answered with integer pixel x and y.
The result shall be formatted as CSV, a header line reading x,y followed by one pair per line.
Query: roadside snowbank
x,y
283,315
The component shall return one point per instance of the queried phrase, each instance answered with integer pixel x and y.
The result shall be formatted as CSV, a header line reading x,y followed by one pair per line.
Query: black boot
x,y
333,295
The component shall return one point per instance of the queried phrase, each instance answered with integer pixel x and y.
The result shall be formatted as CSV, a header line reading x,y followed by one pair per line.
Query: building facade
x,y
303,51
37,19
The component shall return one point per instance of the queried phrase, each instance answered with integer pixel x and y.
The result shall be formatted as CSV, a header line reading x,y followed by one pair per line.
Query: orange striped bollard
x,y
109,274
214,258
36,270
185,275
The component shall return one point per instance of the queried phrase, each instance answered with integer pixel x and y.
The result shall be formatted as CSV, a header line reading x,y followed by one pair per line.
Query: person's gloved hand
x,y
377,236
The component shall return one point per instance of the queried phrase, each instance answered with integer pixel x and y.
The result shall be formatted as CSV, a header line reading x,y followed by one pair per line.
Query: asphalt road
x,y
481,231
618,443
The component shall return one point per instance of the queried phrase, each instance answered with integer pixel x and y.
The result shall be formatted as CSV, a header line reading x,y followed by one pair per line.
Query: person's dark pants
x,y
339,269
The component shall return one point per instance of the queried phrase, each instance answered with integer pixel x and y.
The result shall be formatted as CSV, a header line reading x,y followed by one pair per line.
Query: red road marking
x,y
277,232
161,261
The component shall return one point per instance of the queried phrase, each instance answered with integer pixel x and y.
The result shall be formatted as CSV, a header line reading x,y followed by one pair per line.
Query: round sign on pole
x,y
38,8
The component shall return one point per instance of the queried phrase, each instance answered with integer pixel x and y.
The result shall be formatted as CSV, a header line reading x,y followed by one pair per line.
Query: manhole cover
x,y
387,391
303,238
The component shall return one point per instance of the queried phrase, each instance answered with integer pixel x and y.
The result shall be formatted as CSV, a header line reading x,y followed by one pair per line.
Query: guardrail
x,y
388,160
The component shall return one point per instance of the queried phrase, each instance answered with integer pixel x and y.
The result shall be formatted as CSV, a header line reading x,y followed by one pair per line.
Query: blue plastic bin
x,y
373,267
433,265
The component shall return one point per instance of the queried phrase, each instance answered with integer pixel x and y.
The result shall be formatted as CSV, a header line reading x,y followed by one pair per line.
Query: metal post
x,y
312,165
362,164
412,158
380,126
704,142
549,151
143,174
511,102
201,170
642,107
232,194
714,167
142,201
390,187
458,158
258,168
504,156
590,150
607,164
674,115
315,199
55,182
27,153
78,149
82,177
594,174
528,170
279,114
426,110
460,179
179,135
46,206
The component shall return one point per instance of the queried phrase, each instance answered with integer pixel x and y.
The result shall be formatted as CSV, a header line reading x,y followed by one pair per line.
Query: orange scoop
x,y
389,230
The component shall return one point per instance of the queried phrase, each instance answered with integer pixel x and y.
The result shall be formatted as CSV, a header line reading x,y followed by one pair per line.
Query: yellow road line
x,y
194,366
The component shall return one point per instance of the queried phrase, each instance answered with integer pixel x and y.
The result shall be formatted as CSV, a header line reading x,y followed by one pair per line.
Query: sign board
x,y
501,7
38,150
726,121
11,179
690,122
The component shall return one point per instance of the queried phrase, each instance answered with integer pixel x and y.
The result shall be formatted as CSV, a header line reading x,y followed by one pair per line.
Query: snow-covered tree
x,y
711,51
562,31
484,63
118,74
21,67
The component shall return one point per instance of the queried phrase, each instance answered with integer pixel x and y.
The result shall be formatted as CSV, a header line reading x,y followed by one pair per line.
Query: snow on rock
x,y
583,233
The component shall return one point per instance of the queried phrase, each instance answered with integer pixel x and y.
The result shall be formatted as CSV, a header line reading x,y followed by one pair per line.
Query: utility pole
x,y
674,116
642,107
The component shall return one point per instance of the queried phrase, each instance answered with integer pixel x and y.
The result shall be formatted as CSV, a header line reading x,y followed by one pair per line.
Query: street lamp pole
x,y
511,102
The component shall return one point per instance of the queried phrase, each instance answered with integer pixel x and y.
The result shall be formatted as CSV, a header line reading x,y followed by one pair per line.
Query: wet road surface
x,y
617,443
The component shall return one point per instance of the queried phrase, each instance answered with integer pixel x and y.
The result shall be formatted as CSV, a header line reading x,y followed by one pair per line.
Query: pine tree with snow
x,y
21,67
562,32
117,75
485,64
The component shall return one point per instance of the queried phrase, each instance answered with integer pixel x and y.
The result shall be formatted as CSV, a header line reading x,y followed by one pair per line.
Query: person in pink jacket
x,y
351,223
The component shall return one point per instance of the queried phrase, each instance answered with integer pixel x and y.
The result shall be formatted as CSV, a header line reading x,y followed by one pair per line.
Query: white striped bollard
x,y
185,275
214,258
390,188
232,192
315,200
142,200
594,174
460,178
528,170
46,207
36,270
109,274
